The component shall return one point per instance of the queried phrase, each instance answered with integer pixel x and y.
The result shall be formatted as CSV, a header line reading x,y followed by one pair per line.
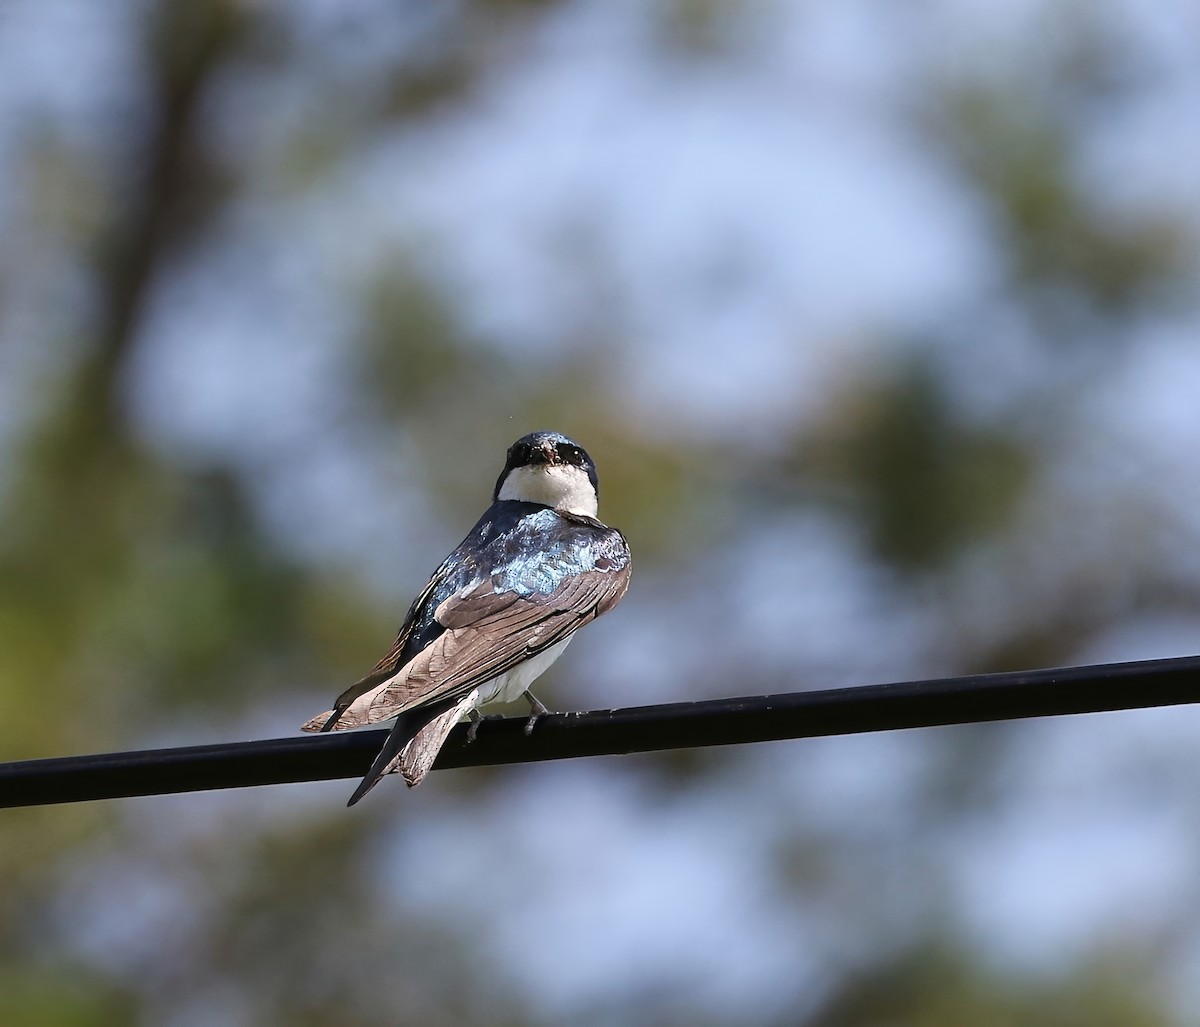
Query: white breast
x,y
562,486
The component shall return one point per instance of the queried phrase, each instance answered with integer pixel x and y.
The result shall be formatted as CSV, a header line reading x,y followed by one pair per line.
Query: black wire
x,y
962,700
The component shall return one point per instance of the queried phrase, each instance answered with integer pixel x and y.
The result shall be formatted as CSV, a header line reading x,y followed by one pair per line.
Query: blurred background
x,y
881,323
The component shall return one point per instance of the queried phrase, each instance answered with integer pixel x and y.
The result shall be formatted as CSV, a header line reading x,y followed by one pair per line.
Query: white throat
x,y
563,486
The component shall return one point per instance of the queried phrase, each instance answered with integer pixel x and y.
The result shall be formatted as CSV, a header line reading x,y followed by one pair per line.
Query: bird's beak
x,y
549,452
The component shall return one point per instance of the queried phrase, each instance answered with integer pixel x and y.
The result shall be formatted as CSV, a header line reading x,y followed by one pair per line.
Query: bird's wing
x,y
490,631
386,667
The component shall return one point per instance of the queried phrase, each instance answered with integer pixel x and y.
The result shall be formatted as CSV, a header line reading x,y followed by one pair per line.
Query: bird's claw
x,y
537,708
478,718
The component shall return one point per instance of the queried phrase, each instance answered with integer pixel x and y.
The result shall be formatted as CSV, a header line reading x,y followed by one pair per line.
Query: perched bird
x,y
498,611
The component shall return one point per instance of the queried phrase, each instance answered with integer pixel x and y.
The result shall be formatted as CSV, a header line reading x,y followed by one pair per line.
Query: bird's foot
x,y
537,708
478,718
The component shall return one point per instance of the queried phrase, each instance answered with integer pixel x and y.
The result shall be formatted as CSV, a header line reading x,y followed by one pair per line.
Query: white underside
x,y
509,686
563,486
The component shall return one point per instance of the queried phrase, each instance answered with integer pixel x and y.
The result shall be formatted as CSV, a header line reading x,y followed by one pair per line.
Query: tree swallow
x,y
498,611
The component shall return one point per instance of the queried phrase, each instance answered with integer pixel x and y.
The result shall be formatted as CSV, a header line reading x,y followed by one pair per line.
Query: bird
x,y
497,612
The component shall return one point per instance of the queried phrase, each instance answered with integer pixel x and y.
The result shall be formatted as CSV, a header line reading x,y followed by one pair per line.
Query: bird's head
x,y
548,468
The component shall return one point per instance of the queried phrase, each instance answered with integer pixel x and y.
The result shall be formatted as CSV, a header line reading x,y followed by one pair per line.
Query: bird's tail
x,y
414,742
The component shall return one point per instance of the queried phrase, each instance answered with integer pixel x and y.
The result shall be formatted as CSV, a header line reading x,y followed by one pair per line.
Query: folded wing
x,y
488,633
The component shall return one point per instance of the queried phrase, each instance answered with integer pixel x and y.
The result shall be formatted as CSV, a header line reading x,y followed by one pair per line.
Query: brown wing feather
x,y
489,633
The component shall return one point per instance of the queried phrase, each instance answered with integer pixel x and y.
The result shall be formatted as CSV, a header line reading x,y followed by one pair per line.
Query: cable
x,y
961,700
